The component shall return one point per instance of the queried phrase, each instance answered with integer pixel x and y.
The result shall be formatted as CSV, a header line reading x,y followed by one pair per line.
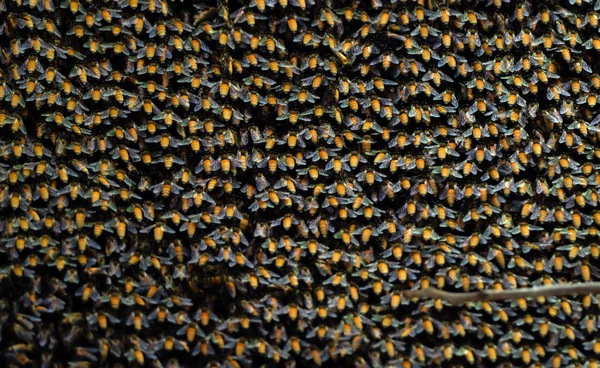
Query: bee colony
x,y
254,183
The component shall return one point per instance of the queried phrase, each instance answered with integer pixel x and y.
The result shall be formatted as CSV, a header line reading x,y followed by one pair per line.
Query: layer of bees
x,y
254,183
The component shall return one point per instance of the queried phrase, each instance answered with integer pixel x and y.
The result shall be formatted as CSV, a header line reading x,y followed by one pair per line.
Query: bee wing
x,y
147,229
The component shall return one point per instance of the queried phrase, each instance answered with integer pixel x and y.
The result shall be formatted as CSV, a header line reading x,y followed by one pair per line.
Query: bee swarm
x,y
255,183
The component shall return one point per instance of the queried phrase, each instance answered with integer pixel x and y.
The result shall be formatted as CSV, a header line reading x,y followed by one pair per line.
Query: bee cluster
x,y
256,183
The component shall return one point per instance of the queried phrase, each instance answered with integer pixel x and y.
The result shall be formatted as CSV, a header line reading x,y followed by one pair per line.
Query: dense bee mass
x,y
244,184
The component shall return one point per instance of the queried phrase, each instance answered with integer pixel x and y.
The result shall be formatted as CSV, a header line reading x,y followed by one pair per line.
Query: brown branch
x,y
492,295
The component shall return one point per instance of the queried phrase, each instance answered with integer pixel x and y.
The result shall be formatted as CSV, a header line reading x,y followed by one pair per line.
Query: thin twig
x,y
492,295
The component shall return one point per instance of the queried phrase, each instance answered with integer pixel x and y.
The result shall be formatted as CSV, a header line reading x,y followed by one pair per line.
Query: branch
x,y
492,295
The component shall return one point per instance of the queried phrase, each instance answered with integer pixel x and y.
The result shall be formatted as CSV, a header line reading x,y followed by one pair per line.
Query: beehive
x,y
255,183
